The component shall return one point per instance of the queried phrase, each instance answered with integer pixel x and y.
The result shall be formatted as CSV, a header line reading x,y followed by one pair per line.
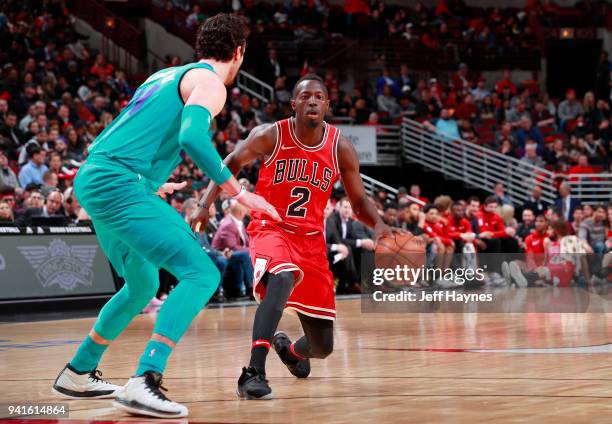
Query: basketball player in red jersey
x,y
304,156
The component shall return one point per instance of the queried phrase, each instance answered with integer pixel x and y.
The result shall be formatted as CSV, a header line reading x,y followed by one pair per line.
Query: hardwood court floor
x,y
385,368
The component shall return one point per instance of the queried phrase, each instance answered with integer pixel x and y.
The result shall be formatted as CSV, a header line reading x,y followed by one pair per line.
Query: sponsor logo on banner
x,y
363,137
60,264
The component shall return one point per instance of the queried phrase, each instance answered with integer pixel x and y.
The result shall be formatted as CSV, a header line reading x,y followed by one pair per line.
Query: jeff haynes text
x,y
435,296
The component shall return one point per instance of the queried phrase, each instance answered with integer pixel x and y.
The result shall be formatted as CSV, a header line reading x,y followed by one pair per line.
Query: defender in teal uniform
x,y
128,164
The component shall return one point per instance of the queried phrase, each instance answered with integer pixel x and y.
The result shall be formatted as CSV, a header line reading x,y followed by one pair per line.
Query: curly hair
x,y
219,36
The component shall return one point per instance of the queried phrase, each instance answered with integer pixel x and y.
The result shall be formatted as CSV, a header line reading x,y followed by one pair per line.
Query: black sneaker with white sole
x,y
298,367
142,396
253,385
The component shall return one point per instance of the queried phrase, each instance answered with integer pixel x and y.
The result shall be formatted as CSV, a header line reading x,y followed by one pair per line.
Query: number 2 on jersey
x,y
297,208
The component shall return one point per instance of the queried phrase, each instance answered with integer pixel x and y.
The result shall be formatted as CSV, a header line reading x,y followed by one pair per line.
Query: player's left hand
x,y
169,188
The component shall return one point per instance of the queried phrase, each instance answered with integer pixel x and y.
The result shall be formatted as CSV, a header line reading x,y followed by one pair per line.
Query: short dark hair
x,y
33,149
310,77
429,207
390,205
599,206
473,199
219,36
490,199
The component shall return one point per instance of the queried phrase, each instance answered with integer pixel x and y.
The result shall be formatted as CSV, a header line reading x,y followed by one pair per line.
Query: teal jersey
x,y
144,137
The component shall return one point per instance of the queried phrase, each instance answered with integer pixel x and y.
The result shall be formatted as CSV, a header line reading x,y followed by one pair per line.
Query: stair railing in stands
x,y
483,167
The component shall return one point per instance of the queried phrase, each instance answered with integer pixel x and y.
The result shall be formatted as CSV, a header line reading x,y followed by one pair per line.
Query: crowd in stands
x,y
450,27
57,95
494,228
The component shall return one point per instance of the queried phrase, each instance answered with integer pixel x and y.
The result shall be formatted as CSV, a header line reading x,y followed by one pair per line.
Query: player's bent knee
x,y
323,350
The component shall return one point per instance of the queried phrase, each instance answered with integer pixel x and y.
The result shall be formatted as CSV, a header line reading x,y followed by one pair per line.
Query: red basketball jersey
x,y
298,179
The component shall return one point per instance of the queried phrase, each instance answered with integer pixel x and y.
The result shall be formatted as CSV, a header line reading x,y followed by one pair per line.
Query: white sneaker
x,y
446,284
70,384
517,275
505,268
142,396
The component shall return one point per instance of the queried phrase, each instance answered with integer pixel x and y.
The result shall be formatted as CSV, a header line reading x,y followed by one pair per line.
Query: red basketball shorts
x,y
561,274
275,250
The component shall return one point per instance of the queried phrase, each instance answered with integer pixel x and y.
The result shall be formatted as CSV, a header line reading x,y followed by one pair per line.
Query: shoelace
x,y
154,388
95,376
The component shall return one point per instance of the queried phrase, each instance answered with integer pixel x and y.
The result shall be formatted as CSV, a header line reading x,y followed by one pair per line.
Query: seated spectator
x,y
541,116
232,235
515,114
507,148
411,218
339,255
468,131
50,182
11,136
281,94
578,218
101,68
6,213
566,203
527,223
352,235
505,83
500,195
7,175
459,228
527,130
535,202
415,192
443,246
569,109
511,243
479,93
385,80
593,230
531,154
556,152
427,106
33,171
52,207
491,232
445,125
407,107
582,167
505,133
534,242
390,214
467,110
486,109
405,81
387,103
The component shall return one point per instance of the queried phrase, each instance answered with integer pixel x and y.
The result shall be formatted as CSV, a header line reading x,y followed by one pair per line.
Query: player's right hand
x,y
257,203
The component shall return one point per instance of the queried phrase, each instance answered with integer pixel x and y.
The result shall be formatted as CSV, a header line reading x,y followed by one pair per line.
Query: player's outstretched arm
x,y
260,142
363,207
206,98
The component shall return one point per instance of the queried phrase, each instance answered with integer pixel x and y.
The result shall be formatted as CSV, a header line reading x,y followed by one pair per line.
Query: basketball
x,y
400,249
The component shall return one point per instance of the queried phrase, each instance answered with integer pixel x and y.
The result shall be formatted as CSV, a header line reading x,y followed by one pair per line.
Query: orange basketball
x,y
400,249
